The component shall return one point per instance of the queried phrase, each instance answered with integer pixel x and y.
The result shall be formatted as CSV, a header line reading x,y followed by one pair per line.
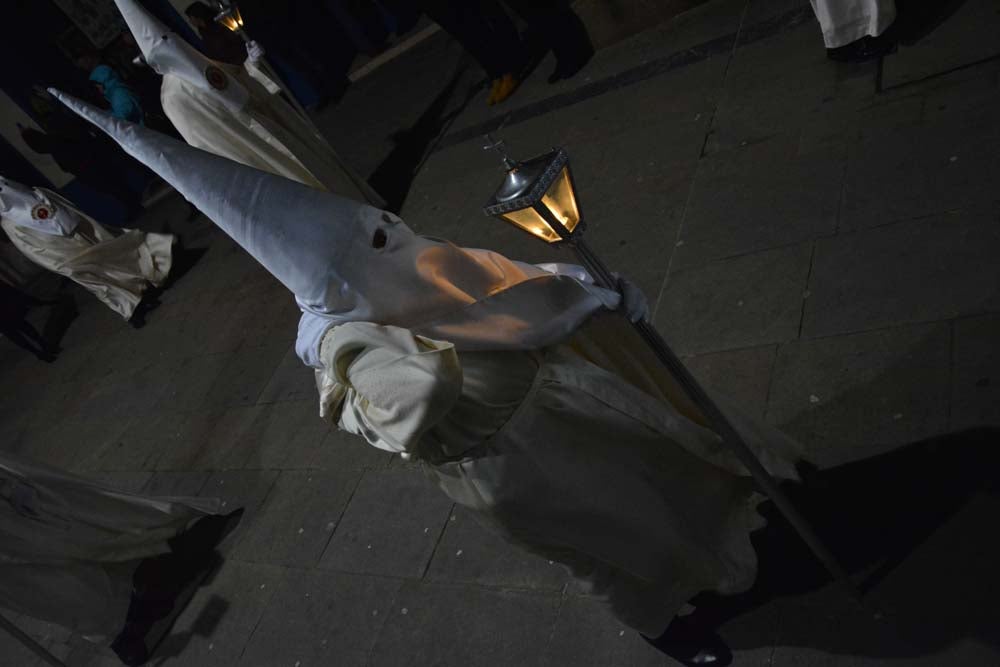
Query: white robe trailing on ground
x,y
69,546
267,133
846,21
586,453
115,269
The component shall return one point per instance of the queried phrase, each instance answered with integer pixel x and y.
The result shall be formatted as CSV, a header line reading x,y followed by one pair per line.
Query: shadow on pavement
x,y
393,176
204,625
918,19
63,313
878,515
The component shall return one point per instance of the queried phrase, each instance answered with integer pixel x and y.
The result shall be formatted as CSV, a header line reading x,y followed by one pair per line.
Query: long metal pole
x,y
30,643
268,70
721,424
270,73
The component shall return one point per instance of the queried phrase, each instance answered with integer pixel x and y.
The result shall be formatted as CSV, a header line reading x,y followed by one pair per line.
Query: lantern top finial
x,y
498,145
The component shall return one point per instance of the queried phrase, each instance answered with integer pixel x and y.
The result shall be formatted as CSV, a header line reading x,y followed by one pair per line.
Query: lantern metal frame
x,y
534,197
604,277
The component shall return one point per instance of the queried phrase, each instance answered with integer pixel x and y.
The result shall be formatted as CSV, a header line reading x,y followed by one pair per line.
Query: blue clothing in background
x,y
124,103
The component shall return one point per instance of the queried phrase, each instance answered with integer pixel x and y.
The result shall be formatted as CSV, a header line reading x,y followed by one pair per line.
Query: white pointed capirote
x,y
346,261
167,53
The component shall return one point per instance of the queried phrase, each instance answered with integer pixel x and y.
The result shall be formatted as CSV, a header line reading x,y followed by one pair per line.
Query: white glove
x,y
254,51
634,305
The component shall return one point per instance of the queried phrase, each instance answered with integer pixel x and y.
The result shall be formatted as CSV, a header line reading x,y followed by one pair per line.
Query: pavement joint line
x,y
768,391
895,325
930,77
694,177
950,405
805,289
340,517
437,542
689,56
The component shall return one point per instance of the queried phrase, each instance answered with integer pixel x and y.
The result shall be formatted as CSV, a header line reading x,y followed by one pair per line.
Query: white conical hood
x,y
169,55
272,218
346,261
148,31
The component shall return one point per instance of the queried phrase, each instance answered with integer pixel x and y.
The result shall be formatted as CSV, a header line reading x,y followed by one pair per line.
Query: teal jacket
x,y
124,103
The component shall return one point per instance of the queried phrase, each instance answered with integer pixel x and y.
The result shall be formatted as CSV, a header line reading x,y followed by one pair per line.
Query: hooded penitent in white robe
x,y
846,21
530,402
227,111
69,546
49,231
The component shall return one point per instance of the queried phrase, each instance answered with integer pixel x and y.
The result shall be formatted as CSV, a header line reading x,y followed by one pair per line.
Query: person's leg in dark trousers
x,y
552,24
22,334
486,32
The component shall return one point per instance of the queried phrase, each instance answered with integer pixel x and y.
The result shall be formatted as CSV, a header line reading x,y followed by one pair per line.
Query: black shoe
x,y
688,643
47,357
864,49
148,304
567,70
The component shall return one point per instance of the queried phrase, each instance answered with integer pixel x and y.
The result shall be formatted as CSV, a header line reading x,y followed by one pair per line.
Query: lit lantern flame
x,y
231,18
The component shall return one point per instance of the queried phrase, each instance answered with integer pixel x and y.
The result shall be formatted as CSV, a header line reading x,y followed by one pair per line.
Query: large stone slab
x,y
213,630
298,518
391,526
741,302
279,433
813,101
953,564
223,380
945,163
292,381
826,629
964,38
586,634
337,450
975,395
322,618
240,488
465,627
762,196
471,553
72,443
742,376
919,271
202,440
848,397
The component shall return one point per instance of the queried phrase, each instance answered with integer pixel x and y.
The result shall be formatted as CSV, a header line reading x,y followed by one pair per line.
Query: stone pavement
x,y
820,241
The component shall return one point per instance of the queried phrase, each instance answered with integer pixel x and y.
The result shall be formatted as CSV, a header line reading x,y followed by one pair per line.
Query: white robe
x,y
114,269
69,546
846,21
267,134
586,453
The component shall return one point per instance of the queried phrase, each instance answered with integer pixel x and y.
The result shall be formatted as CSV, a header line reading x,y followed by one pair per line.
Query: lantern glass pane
x,y
530,221
560,199
232,19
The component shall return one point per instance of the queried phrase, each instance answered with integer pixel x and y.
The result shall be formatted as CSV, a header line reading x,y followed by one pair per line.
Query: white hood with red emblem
x,y
168,54
32,208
